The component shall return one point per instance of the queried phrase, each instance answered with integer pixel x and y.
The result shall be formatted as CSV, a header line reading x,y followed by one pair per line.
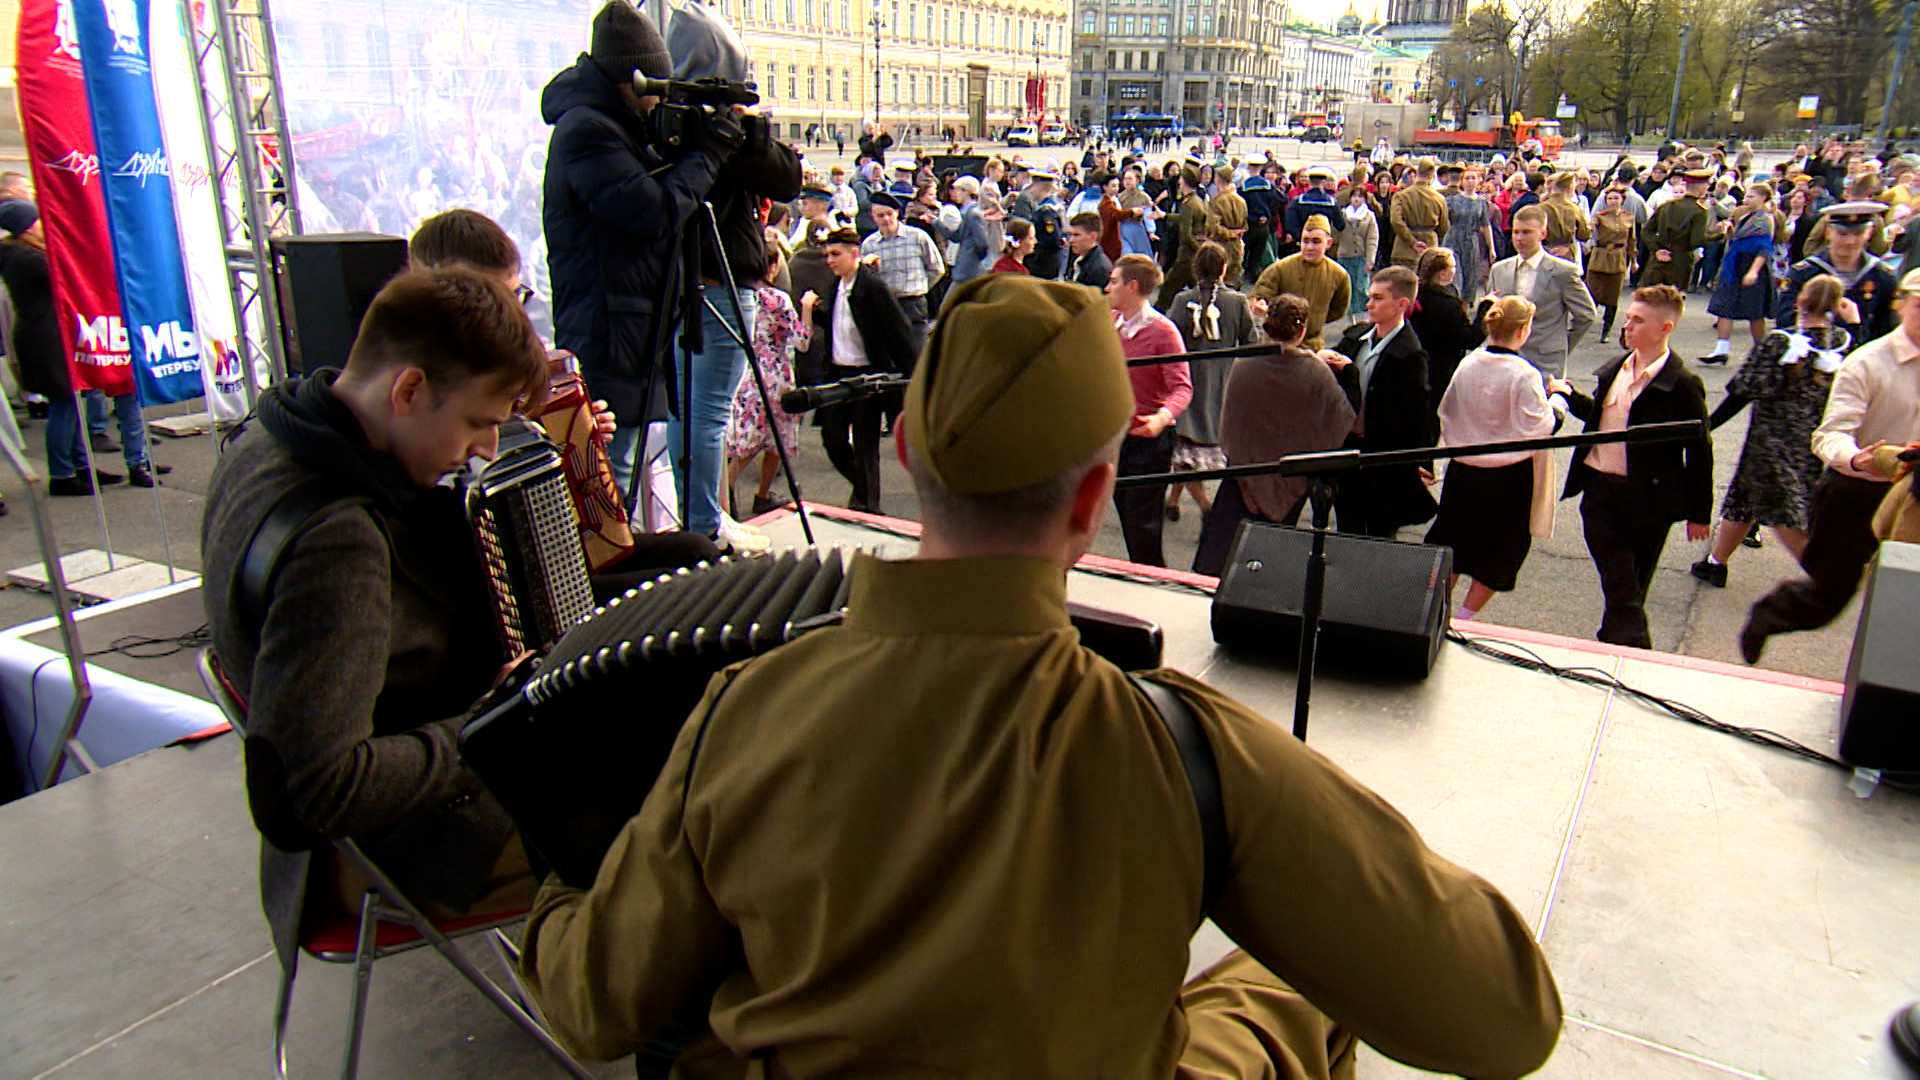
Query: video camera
x,y
685,117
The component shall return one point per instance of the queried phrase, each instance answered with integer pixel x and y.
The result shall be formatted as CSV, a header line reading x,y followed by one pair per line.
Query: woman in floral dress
x,y
778,331
1469,237
1786,378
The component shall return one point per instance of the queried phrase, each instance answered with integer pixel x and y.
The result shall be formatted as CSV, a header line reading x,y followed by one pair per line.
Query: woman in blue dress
x,y
1745,286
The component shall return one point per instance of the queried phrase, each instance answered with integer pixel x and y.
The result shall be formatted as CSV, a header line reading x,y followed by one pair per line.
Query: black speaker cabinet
x,y
1880,713
326,282
1385,610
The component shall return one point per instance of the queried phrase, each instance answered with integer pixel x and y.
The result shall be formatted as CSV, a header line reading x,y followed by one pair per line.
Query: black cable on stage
x,y
1522,657
142,647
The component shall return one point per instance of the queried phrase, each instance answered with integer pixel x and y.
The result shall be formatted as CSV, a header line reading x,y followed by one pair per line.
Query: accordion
x,y
572,754
567,418
524,520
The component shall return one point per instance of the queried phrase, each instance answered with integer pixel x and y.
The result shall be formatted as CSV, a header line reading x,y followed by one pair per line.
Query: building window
x,y
976,28
1166,26
1110,57
789,7
1113,26
813,92
1189,30
1087,21
1206,24
846,14
829,84
766,10
846,86
946,26
896,87
1129,25
946,90
793,82
1086,87
913,20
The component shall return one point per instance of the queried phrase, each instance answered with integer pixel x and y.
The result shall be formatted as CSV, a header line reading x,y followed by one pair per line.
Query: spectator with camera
x,y
617,192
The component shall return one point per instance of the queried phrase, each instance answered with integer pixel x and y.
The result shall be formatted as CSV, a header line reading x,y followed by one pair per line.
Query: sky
x,y
1325,11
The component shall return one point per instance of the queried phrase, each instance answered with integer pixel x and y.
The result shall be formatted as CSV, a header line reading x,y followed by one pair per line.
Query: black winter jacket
x,y
612,204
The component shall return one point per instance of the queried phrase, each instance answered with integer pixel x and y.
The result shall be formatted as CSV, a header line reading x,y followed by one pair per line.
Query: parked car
x,y
1023,135
1193,129
1053,135
1273,131
1317,133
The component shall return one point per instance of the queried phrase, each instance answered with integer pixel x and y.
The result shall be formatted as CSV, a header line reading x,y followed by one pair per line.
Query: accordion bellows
x,y
574,753
528,530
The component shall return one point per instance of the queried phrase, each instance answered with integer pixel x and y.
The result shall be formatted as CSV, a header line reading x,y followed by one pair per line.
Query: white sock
x,y
1721,347
1466,613
1711,560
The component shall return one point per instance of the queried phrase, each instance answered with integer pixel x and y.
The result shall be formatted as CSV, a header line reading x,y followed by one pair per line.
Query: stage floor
x,y
1710,907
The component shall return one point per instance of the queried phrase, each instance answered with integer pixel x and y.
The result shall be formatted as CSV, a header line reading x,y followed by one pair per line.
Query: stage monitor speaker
x,y
1385,610
1880,712
326,282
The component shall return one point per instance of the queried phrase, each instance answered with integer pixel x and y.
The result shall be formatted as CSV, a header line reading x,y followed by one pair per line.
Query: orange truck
x,y
1505,138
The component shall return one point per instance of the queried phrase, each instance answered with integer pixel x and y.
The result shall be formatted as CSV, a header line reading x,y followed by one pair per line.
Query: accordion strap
x,y
1203,777
286,520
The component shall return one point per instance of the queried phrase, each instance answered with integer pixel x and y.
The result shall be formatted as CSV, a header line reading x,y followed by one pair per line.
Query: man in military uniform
x,y
939,886
1229,213
1869,280
1037,205
1308,274
1676,230
1193,223
1418,214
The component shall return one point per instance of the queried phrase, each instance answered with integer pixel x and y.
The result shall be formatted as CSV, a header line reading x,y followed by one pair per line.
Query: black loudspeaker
x,y
1385,610
326,282
1880,713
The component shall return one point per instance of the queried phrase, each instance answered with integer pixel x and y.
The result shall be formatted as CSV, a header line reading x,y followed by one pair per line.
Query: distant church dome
x,y
1348,24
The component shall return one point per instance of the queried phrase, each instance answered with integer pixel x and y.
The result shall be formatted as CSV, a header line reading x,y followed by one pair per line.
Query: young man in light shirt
x,y
1563,308
1873,412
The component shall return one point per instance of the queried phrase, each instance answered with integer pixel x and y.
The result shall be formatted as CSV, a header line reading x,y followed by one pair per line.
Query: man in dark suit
x,y
1383,369
1634,494
1087,264
867,332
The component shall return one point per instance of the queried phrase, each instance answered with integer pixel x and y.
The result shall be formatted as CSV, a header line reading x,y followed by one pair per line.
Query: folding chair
x,y
388,923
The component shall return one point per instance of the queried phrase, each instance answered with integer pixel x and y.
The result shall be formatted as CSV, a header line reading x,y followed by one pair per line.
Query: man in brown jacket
x,y
1418,214
997,872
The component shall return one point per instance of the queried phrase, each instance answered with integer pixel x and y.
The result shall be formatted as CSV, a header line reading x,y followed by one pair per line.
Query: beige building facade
x,y
953,66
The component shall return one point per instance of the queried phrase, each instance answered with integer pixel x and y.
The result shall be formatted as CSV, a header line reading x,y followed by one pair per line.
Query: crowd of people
x,y
1428,269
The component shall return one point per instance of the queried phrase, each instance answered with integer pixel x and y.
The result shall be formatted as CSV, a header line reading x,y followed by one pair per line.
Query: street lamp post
x,y
877,27
1039,43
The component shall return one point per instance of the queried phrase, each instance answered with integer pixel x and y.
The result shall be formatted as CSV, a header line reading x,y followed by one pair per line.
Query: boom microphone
x,y
808,398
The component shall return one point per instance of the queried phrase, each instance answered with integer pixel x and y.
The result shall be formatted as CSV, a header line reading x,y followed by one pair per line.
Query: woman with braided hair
x,y
1209,315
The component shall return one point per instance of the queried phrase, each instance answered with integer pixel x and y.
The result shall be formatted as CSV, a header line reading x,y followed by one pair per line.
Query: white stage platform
x,y
1710,907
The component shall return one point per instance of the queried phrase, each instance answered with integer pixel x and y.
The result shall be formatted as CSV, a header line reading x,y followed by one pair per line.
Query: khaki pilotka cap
x,y
1021,379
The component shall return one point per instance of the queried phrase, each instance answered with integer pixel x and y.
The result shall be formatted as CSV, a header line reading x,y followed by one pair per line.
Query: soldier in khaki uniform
x,y
944,839
1674,232
1567,225
1418,214
1193,224
1311,275
1228,211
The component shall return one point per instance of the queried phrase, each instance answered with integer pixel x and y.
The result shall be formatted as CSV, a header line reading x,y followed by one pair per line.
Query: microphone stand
x,y
1321,467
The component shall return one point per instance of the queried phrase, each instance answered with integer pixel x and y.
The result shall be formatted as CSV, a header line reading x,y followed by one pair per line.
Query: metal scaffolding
x,y
252,167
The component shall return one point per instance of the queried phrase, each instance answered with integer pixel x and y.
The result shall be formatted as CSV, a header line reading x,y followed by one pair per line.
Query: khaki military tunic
x,y
1324,285
1417,213
1195,224
946,839
1229,213
1566,226
1678,227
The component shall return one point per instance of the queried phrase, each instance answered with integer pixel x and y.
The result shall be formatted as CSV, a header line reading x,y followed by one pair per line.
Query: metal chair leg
x,y
508,956
281,1012
503,1002
362,975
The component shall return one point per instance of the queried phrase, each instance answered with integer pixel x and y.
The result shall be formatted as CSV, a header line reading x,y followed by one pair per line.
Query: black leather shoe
x,y
1713,573
107,479
103,444
142,477
1720,359
70,485
1906,1036
1752,538
1173,512
1753,641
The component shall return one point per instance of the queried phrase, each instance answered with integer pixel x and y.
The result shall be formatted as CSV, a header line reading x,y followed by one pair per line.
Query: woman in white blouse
x,y
1493,505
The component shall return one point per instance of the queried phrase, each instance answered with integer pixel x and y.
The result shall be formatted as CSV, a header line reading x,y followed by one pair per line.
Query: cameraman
x,y
613,201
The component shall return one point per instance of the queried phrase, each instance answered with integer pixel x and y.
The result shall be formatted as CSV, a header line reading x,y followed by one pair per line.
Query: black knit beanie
x,y
625,40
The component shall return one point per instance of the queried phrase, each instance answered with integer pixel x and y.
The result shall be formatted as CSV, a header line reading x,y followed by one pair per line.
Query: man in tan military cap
x,y
1675,232
997,871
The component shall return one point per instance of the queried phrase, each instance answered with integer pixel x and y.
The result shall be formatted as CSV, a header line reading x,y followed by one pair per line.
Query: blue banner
x,y
114,50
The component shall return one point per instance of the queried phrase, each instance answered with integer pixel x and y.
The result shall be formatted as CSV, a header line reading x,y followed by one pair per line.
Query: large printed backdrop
x,y
400,109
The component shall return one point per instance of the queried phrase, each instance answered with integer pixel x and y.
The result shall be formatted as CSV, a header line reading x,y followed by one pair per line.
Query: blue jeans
x,y
717,368
66,438
133,427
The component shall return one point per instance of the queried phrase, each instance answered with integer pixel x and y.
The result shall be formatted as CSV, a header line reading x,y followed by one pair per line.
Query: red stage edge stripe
x,y
1478,629
203,734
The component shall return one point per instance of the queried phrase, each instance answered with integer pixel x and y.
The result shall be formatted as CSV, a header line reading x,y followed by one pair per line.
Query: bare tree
x,y
1834,48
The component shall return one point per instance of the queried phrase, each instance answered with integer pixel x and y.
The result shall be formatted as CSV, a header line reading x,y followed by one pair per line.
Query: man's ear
x,y
409,392
1090,498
